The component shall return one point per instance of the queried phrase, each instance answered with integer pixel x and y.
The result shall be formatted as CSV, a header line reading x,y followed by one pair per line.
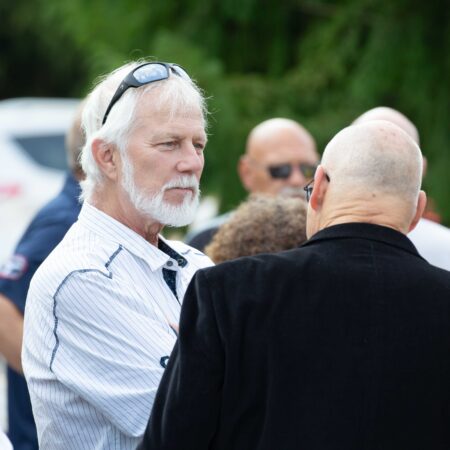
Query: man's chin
x,y
179,214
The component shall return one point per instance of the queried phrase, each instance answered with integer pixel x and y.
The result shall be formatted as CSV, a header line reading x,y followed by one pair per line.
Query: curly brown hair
x,y
262,224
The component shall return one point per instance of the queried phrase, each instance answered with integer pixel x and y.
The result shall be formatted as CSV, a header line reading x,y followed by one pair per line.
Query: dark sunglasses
x,y
309,187
144,74
283,171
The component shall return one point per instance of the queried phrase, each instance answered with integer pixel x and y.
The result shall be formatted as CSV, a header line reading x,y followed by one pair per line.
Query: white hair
x,y
376,157
173,96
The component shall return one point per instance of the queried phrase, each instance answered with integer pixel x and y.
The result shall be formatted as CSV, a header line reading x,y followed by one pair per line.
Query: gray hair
x,y
173,96
376,157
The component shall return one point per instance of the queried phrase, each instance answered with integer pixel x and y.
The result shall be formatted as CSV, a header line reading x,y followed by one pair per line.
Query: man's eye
x,y
168,144
199,146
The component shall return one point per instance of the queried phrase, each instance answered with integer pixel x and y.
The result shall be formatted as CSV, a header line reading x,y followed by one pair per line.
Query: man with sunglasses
x,y
100,313
342,343
280,158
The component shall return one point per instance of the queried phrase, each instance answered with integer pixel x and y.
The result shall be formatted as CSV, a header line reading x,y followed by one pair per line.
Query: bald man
x,y
280,158
335,345
431,239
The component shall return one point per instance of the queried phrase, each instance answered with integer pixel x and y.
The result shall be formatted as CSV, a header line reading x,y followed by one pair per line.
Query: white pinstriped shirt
x,y
97,333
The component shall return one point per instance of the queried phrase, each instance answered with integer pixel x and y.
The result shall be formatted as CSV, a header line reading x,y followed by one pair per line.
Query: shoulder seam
x,y
55,317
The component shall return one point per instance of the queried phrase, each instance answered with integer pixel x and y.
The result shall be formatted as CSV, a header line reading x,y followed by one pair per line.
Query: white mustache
x,y
184,182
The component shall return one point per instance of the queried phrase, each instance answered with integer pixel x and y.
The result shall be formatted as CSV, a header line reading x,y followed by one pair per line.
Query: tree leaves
x,y
317,61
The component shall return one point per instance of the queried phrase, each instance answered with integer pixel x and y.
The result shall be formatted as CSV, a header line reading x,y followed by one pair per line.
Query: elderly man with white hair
x,y
100,314
341,344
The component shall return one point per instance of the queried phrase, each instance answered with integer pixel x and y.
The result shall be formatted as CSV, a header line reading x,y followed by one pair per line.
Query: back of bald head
x,y
267,133
75,140
390,115
374,157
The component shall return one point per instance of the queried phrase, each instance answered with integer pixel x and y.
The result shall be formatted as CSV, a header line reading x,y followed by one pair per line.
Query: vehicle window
x,y
48,151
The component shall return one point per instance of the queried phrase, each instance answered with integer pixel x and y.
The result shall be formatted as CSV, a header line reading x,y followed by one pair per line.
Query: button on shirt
x,y
97,332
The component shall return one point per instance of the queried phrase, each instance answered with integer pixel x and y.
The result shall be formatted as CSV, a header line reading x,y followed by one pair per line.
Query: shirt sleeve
x,y
108,350
187,405
16,273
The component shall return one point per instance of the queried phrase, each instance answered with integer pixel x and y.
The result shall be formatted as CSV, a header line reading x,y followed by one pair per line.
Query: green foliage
x,y
320,62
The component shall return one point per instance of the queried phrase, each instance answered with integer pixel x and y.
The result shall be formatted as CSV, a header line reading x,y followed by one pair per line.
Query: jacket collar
x,y
368,231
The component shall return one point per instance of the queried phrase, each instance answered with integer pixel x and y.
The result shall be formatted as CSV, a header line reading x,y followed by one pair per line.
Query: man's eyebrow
x,y
166,135
177,137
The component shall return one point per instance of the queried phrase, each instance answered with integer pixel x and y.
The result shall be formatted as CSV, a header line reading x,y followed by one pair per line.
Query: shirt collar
x,y
111,229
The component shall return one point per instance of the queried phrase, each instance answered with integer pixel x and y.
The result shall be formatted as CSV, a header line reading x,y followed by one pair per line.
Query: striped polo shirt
x,y
97,332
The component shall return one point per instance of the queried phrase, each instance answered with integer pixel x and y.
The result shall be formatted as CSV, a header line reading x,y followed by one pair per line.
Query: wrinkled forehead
x,y
168,105
159,123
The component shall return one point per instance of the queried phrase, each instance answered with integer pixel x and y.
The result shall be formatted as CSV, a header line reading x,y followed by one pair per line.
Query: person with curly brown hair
x,y
261,224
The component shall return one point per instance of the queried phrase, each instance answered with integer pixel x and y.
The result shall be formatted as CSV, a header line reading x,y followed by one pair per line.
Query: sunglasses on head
x,y
284,171
144,74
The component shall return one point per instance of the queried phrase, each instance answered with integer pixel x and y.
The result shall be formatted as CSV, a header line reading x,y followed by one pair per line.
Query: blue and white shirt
x,y
97,332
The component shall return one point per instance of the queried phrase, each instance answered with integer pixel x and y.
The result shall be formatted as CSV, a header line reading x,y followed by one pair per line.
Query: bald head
x,y
375,156
390,115
272,144
374,171
270,134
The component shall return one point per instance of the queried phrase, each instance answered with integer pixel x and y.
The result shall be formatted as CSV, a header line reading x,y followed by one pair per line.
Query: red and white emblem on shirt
x,y
14,268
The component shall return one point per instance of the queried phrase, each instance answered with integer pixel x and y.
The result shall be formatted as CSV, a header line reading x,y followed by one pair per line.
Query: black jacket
x,y
342,344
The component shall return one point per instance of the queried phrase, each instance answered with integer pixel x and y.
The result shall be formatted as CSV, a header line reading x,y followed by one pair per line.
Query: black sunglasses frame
x,y
130,81
284,171
309,187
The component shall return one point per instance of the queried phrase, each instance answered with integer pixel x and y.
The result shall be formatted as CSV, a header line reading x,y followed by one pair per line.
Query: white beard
x,y
154,206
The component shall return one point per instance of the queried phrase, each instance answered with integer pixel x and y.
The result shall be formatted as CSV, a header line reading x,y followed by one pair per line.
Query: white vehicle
x,y
32,165
32,161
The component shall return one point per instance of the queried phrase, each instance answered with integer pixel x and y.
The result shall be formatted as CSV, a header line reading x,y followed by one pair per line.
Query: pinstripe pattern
x,y
96,327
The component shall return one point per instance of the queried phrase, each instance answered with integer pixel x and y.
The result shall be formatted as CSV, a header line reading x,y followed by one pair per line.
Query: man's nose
x,y
192,159
296,178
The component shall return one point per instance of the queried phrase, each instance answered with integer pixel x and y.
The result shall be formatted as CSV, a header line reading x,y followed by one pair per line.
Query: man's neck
x,y
377,213
127,214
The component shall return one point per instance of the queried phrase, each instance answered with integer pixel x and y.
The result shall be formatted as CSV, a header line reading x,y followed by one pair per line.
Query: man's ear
x,y
245,172
320,187
420,208
106,156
